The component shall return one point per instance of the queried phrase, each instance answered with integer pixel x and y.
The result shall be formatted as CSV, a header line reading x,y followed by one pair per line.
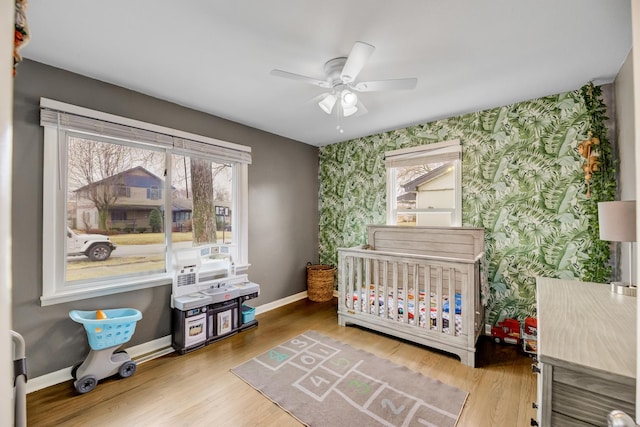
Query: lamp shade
x,y
617,221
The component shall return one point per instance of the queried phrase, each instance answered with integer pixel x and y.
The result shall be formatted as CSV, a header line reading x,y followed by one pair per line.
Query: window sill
x,y
69,295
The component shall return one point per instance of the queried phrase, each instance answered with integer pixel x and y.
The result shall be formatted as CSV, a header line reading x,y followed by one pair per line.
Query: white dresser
x,y
586,353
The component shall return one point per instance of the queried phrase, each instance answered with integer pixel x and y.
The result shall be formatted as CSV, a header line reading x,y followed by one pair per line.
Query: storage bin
x,y
248,314
320,282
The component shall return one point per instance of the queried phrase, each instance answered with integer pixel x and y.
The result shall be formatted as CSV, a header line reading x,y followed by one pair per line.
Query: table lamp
x,y
617,222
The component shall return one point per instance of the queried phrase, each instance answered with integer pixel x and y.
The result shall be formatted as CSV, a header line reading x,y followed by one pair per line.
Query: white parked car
x,y
95,246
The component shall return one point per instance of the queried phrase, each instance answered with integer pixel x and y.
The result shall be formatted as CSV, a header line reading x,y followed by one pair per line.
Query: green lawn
x,y
85,269
149,238
81,268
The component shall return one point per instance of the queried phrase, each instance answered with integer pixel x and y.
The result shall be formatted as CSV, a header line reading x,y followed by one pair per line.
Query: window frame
x,y
429,153
55,289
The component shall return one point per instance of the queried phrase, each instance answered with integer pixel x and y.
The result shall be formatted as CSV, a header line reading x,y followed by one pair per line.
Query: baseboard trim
x,y
146,351
281,302
140,353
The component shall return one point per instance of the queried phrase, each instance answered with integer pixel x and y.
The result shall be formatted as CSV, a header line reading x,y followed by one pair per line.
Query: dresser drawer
x,y
584,405
618,388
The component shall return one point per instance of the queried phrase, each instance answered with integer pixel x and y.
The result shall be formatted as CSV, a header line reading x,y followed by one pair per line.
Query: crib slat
x,y
401,298
427,296
405,296
393,307
344,281
341,297
359,285
385,293
438,299
367,282
350,282
358,282
367,279
376,284
416,294
452,301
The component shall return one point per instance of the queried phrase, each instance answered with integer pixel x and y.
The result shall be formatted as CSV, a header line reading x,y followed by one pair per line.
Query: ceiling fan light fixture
x,y
349,99
349,110
327,103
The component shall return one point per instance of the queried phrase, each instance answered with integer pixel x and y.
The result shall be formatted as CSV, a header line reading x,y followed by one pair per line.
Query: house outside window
x,y
117,215
104,178
424,185
154,193
123,191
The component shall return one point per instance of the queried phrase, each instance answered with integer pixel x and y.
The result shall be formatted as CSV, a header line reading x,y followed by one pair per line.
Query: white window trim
x,y
54,287
422,154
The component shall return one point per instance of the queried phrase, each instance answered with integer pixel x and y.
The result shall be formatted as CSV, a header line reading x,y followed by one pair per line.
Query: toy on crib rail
x,y
510,331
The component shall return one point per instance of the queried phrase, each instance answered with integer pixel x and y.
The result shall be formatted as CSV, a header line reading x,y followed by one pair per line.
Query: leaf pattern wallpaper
x,y
521,180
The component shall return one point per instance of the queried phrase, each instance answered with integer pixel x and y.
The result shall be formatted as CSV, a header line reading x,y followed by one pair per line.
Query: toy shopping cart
x,y
105,338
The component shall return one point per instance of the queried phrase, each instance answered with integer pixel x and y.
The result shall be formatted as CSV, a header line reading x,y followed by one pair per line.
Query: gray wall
x,y
283,212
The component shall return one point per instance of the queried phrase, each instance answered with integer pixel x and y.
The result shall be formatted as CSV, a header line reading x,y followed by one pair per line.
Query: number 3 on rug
x,y
360,387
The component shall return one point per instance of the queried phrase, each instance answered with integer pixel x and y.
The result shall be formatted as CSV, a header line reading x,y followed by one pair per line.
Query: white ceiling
x,y
215,56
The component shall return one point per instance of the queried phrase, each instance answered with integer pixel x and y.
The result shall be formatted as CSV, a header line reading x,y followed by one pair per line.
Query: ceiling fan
x,y
340,80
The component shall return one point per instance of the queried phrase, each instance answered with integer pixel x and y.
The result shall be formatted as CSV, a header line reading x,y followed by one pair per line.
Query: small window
x,y
424,185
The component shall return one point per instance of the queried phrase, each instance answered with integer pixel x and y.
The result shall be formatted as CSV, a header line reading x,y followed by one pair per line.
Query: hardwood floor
x,y
198,388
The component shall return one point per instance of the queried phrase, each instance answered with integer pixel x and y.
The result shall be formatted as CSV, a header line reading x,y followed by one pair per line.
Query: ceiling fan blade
x,y
360,52
361,109
393,84
293,76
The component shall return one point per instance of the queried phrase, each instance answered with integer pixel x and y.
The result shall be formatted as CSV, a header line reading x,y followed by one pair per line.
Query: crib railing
x,y
367,279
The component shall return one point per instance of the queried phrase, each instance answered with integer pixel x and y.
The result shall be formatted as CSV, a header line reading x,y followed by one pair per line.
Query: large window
x,y
424,185
120,196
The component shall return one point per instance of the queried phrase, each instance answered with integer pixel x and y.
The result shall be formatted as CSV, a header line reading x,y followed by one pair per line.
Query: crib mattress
x,y
386,307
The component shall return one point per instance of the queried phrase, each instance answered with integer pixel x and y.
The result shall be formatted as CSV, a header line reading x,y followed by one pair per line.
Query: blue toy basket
x,y
116,329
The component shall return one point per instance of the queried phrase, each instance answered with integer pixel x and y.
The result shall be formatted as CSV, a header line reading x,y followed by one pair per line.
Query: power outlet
x,y
487,329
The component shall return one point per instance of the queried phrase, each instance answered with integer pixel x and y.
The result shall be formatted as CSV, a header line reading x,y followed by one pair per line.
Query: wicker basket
x,y
320,282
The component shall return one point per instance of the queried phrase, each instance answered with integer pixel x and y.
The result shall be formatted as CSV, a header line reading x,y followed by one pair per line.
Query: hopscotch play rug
x,y
323,382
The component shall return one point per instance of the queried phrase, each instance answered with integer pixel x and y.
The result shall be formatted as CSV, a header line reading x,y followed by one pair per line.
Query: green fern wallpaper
x,y
522,183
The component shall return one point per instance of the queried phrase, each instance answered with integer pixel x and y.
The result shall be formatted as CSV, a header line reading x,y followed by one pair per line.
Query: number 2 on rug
x,y
389,403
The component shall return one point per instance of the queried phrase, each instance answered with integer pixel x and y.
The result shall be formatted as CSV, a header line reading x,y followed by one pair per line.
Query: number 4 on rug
x,y
318,381
279,357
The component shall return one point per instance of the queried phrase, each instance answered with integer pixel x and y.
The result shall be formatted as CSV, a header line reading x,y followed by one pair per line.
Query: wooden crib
x,y
422,284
